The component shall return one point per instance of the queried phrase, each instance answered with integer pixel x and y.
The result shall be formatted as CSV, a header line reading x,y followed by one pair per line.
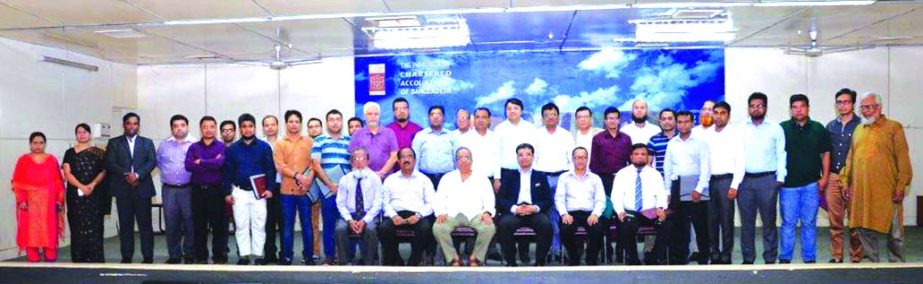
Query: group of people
x,y
402,182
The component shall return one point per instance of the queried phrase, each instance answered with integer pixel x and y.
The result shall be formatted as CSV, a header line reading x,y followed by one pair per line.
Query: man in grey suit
x,y
130,159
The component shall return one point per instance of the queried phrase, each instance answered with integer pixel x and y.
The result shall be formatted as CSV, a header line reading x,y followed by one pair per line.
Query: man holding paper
x,y
292,157
331,162
686,173
248,173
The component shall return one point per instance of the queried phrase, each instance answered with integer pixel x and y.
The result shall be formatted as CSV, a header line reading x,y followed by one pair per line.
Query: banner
x,y
677,79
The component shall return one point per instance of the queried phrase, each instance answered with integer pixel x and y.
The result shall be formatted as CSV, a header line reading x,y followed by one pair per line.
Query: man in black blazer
x,y
518,208
130,159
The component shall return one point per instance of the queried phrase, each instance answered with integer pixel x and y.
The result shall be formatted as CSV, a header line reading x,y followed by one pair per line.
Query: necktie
x,y
638,202
360,200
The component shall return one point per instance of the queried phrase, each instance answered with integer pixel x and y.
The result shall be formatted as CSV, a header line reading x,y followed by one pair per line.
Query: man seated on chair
x,y
359,203
581,199
464,199
639,198
526,195
408,204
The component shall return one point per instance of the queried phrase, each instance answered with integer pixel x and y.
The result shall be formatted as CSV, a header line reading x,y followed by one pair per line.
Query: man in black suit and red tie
x,y
523,199
130,159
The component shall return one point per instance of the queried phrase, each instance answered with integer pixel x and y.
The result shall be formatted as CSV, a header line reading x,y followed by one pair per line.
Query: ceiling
x,y
182,31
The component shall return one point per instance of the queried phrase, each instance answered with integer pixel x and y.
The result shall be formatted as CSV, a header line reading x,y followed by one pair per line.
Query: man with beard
x,y
246,158
877,176
706,117
379,143
638,129
765,168
177,194
639,189
404,129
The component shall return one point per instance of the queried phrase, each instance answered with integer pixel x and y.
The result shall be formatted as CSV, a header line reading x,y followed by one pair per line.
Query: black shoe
x,y
308,261
694,257
126,260
494,256
810,262
785,261
173,261
260,261
268,260
525,258
244,261
330,261
285,261
769,262
190,260
511,264
220,261
747,262
834,260
149,260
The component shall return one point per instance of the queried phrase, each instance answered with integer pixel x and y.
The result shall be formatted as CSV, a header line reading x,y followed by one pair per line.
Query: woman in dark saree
x,y
86,197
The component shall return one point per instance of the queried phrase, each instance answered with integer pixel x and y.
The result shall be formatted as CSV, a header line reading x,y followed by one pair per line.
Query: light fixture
x,y
68,63
418,32
813,3
121,33
684,30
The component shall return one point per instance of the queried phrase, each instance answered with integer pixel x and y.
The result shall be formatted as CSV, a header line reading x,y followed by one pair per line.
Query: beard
x,y
251,137
869,120
758,117
401,119
639,164
706,120
639,119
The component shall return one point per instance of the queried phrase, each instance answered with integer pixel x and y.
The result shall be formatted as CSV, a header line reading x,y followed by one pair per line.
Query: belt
x,y
720,177
176,185
759,175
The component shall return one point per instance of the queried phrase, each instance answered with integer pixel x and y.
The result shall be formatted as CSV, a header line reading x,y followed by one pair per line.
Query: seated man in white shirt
x,y
523,201
640,199
464,199
581,199
359,203
407,203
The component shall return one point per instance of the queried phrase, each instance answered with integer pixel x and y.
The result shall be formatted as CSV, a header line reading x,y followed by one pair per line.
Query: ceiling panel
x,y
525,27
903,29
84,12
288,7
220,38
184,9
541,3
12,18
422,5
750,24
315,37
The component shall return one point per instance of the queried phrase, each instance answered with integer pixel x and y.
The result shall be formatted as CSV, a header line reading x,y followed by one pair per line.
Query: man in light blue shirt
x,y
436,147
764,143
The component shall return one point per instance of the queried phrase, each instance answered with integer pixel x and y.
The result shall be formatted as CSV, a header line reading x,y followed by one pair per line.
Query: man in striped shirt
x,y
331,162
657,145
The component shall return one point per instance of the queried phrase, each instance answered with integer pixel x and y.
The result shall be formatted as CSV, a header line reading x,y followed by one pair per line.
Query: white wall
x,y
40,96
886,71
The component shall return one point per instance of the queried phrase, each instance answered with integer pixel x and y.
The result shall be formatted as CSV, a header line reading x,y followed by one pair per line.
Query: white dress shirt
x,y
640,134
653,194
689,157
471,197
585,140
552,150
580,193
525,190
371,194
510,136
414,193
765,148
727,152
485,152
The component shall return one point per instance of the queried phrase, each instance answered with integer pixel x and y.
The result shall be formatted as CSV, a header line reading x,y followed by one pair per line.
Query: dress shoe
x,y
694,256
285,261
330,261
190,260
834,260
126,260
173,261
259,261
494,256
747,262
785,261
268,260
148,260
308,261
244,261
221,261
810,262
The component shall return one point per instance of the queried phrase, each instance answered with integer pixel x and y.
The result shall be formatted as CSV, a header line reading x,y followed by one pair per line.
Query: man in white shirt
x,y
510,133
706,117
726,154
464,199
686,173
638,128
584,130
462,122
359,202
581,199
407,203
640,199
483,143
765,173
552,157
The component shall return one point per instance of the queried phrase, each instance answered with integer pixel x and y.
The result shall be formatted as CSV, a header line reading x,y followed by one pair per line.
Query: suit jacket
x,y
509,191
119,161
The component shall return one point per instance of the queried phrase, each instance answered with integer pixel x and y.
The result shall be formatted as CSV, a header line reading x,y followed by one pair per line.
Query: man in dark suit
x,y
130,159
523,199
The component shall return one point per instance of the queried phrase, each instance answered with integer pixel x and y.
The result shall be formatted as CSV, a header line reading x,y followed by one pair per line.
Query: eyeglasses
x,y
464,158
839,103
758,106
869,107
227,130
359,159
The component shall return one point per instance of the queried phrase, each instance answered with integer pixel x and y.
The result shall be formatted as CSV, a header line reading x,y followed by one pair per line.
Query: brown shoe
x,y
455,262
474,262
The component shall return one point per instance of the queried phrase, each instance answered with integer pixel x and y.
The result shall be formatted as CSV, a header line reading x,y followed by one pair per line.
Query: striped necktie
x,y
638,201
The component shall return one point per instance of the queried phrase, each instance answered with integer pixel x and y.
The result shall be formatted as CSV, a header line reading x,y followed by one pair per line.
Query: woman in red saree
x,y
39,191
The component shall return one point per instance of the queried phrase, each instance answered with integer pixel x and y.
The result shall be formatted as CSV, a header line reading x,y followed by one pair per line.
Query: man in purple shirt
x,y
177,195
609,153
380,142
204,160
403,128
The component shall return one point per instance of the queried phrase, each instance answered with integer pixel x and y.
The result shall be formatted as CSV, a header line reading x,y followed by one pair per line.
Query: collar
x,y
441,130
188,139
287,138
855,118
529,171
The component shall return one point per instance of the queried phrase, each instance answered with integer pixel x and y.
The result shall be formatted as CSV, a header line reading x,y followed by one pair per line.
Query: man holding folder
x,y
686,173
331,162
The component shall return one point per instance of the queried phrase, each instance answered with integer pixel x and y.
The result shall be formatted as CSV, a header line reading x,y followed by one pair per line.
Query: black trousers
x,y
273,226
135,209
422,239
720,220
628,233
594,238
607,180
688,213
208,211
539,223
